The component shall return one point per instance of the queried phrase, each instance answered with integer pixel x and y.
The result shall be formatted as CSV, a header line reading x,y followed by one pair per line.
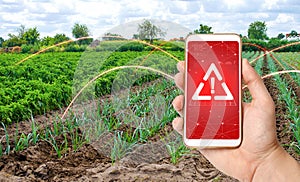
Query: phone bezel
x,y
208,143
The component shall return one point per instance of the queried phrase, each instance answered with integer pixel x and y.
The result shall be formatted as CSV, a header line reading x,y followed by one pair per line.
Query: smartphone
x,y
212,108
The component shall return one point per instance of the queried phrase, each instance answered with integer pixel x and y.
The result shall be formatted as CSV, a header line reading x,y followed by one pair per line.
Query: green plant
x,y
7,151
59,148
23,142
176,149
1,150
120,147
34,130
293,109
76,139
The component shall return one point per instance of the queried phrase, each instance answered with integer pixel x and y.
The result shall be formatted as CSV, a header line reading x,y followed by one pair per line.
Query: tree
x,y
204,29
294,33
31,36
21,31
149,31
47,41
280,36
1,41
112,36
258,30
81,30
12,41
135,36
60,38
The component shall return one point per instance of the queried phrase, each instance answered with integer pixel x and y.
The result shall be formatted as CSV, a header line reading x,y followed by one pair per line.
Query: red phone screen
x,y
212,90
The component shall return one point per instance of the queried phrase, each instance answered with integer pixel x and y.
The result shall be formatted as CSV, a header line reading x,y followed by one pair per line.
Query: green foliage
x,y
274,43
1,41
112,36
132,46
280,36
294,33
81,30
28,48
148,31
36,86
60,38
7,150
257,30
203,29
12,41
176,150
124,45
31,36
47,41
75,48
270,44
45,82
286,95
120,147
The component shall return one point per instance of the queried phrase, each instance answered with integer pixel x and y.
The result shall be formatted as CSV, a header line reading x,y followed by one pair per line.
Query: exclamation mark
x,y
212,83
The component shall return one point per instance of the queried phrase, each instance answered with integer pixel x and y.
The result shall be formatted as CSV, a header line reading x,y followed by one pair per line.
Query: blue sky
x,y
58,16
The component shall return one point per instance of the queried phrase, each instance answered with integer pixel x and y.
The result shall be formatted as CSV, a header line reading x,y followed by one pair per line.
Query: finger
x,y
178,104
258,91
178,125
180,66
179,80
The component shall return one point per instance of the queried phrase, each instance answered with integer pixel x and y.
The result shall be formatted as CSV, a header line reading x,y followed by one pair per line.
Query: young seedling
x,y
34,130
7,151
176,150
120,147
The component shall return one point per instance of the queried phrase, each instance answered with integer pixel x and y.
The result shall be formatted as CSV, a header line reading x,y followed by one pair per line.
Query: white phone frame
x,y
214,143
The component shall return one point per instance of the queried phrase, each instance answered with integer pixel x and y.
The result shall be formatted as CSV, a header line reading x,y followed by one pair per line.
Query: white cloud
x,y
258,16
56,16
284,23
284,18
234,4
271,4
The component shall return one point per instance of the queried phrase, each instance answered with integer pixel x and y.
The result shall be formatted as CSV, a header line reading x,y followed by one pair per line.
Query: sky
x,y
176,17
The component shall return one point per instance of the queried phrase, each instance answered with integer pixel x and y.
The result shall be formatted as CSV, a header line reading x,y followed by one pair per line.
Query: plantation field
x,y
119,127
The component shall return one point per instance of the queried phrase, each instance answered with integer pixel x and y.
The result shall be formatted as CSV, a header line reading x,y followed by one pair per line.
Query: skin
x,y
260,156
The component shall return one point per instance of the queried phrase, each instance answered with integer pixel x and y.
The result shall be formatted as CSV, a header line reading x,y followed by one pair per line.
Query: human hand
x,y
259,145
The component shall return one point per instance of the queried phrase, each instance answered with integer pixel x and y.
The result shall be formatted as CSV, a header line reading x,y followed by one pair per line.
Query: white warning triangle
x,y
197,96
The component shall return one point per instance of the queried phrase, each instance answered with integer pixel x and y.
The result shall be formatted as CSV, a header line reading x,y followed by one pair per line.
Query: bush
x,y
75,48
132,46
26,48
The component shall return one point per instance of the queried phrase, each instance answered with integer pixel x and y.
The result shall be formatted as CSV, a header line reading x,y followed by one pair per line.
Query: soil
x,y
145,162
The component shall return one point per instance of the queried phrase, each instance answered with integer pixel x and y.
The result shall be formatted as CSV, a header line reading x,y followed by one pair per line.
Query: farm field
x,y
120,125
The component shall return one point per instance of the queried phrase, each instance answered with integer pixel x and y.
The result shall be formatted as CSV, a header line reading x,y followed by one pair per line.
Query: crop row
x,y
290,61
292,58
130,125
48,81
286,95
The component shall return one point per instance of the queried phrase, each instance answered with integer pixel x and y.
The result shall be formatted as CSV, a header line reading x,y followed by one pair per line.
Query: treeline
x,y
270,44
28,40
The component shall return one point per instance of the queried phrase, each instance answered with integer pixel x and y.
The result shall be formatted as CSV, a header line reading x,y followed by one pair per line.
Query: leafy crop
x,y
48,81
287,96
45,82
